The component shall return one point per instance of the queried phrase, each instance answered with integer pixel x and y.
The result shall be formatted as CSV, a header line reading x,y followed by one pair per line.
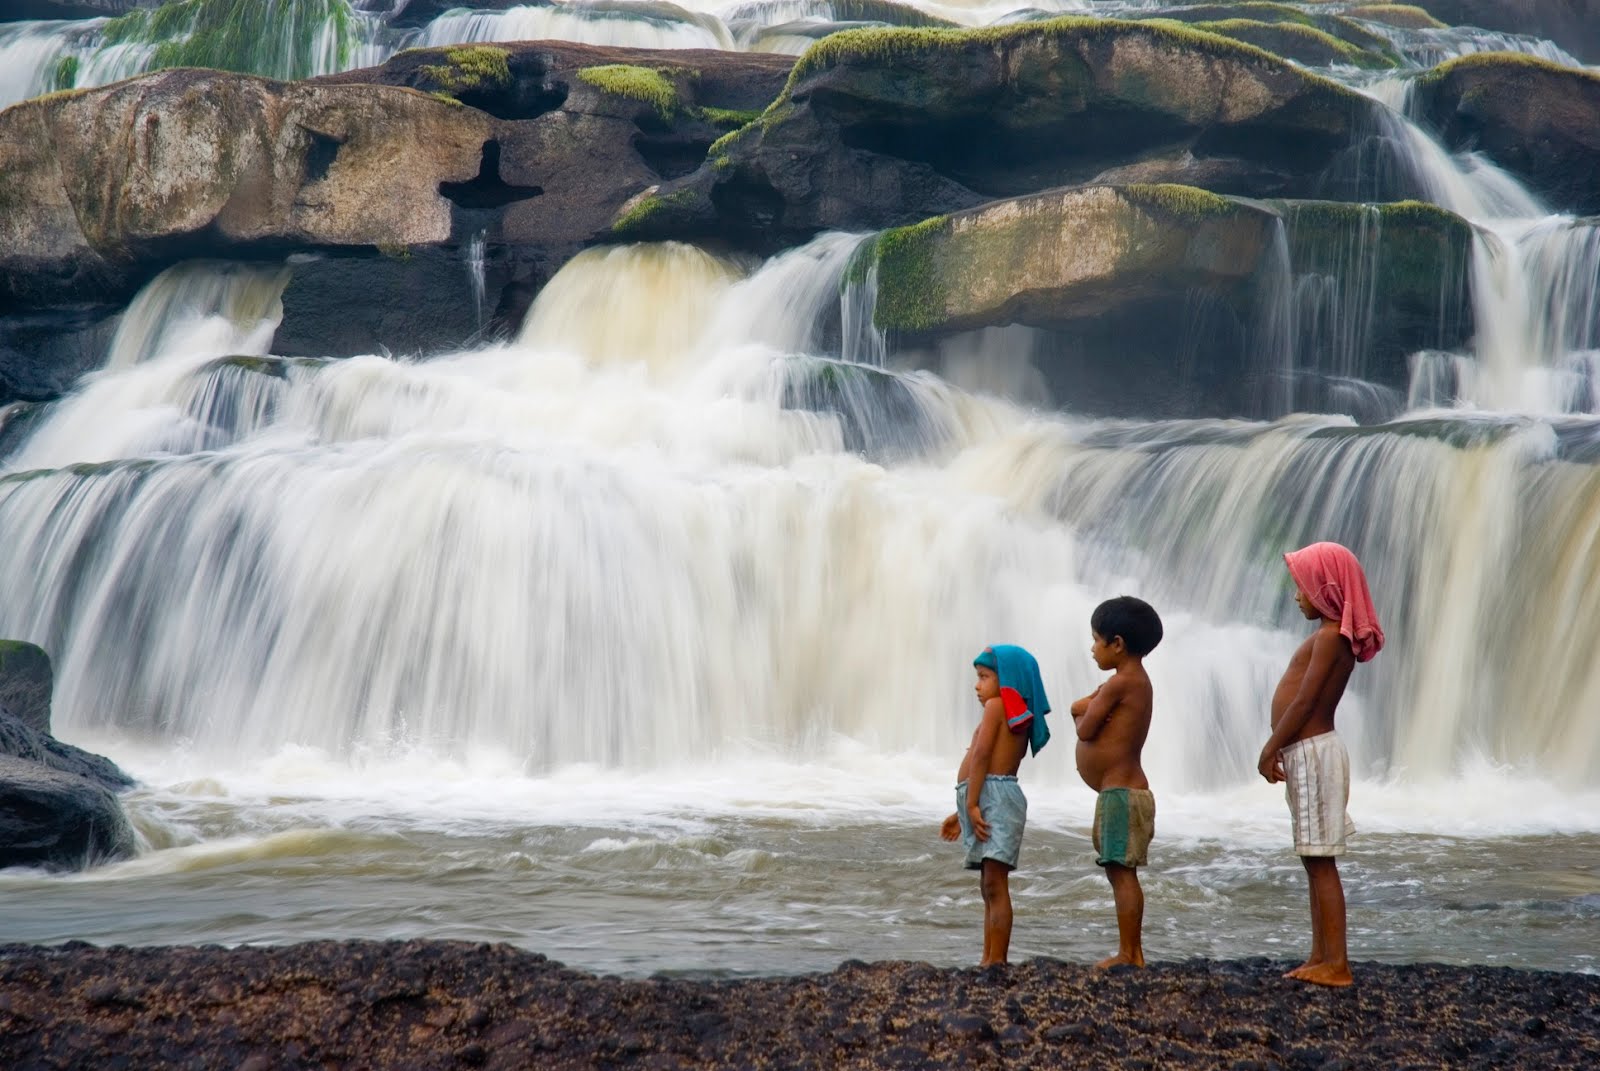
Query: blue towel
x,y
1021,690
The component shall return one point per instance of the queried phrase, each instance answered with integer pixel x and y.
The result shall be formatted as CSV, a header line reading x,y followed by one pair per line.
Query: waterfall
x,y
145,402
275,38
629,23
474,254
621,540
201,308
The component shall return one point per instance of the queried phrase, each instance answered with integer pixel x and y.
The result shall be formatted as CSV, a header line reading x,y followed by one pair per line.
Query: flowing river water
x,y
644,639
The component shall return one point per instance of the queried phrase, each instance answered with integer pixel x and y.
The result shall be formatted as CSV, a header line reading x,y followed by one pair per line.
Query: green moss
x,y
125,28
1405,16
1295,41
394,250
1422,250
776,112
634,83
1500,61
896,45
469,68
277,40
1186,203
727,118
650,208
447,99
910,297
65,75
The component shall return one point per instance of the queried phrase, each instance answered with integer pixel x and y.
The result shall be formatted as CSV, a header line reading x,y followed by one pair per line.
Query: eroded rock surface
x,y
428,1005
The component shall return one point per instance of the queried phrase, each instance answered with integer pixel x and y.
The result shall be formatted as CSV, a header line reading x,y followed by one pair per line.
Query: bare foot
x,y
1119,960
1294,972
1332,974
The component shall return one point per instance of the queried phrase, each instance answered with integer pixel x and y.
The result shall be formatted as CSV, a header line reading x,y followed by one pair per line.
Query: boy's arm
x,y
1101,704
994,718
1080,706
1325,652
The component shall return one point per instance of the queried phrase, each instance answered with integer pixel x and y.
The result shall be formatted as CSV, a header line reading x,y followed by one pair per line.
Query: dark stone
x,y
1539,121
42,353
26,683
420,302
57,820
1070,1032
20,742
968,1027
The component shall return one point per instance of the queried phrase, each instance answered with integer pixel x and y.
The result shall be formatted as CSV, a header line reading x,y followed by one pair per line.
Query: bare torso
x,y
1325,700
1110,758
1006,758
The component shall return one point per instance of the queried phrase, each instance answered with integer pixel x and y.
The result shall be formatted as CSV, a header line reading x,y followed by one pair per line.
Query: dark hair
x,y
1135,620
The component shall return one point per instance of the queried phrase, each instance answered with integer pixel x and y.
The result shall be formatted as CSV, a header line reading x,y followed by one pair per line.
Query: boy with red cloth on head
x,y
1306,754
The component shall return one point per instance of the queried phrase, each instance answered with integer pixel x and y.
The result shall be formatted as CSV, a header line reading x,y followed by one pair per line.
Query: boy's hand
x,y
980,828
1081,706
951,829
1270,766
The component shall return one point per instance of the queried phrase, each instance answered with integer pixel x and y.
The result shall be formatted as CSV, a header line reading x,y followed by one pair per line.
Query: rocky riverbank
x,y
422,1005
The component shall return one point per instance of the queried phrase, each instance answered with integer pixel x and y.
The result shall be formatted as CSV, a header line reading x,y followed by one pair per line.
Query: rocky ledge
x,y
423,1005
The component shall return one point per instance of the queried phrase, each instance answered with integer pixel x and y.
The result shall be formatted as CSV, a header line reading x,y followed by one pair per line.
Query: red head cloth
x,y
1332,578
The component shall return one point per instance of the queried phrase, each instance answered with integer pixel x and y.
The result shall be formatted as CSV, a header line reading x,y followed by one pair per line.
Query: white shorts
x,y
1316,782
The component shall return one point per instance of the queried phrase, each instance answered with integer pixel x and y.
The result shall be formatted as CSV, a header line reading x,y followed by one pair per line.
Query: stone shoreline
x,y
436,1004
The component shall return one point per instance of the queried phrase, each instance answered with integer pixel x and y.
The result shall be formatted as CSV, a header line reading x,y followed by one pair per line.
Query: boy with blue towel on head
x,y
989,817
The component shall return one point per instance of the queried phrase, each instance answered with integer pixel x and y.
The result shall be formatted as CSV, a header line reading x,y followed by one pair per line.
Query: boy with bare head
x,y
1306,754
1112,723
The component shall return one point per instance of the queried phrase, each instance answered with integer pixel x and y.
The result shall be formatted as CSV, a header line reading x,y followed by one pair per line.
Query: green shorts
x,y
1124,825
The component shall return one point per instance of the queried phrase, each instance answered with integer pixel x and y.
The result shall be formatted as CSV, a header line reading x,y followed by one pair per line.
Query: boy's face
x,y
1106,652
1302,600
988,684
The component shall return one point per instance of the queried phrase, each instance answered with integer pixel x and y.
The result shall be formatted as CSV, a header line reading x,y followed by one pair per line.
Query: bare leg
x,y
1317,955
1327,925
1130,917
996,912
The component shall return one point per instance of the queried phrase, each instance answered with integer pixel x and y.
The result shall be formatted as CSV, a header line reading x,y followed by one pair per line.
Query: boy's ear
x,y
1118,644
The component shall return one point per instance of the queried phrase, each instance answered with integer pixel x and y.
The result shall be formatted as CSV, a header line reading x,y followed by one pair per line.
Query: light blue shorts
x,y
1005,808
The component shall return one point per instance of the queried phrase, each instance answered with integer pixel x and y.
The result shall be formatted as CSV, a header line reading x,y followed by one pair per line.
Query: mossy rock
x,y
1402,16
645,84
468,69
884,12
26,683
1537,119
657,214
885,127
1344,29
1065,255
1298,42
1414,259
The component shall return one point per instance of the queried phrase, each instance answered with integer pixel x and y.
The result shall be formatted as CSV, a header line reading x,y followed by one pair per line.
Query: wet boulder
x,y
58,804
101,188
26,683
886,127
58,820
1536,119
1177,301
